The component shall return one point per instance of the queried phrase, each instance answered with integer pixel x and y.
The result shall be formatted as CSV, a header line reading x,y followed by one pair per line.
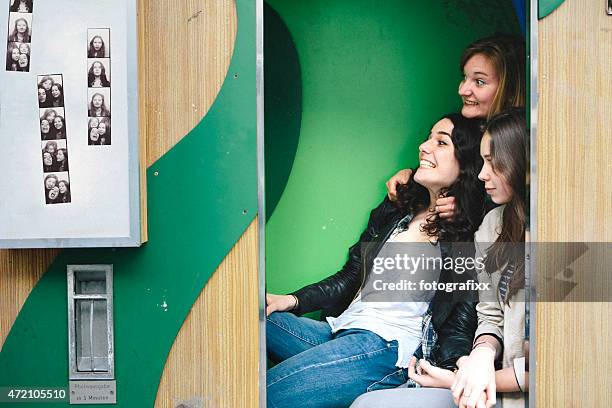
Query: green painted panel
x,y
283,102
545,7
375,76
200,203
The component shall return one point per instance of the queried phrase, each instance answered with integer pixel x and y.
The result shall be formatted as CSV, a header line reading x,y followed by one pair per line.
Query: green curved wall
x,y
200,203
375,77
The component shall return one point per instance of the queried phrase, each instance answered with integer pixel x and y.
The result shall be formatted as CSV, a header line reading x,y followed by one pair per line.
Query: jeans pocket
x,y
393,380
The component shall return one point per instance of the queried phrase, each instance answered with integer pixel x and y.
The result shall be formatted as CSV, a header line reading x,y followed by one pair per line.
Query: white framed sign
x,y
69,125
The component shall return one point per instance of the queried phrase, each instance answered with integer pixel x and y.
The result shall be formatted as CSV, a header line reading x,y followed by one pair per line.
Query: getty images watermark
x,y
555,272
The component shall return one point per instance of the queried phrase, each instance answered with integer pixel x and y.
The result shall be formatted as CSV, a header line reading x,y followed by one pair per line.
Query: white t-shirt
x,y
401,321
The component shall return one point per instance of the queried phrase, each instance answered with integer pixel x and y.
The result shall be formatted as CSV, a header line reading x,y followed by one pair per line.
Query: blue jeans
x,y
320,369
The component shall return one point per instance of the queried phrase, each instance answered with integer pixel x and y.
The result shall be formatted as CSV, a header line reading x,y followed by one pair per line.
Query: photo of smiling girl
x,y
52,124
55,156
57,188
57,95
99,131
12,57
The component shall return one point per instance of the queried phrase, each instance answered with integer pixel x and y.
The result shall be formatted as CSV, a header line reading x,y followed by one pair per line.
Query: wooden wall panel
x,y
574,358
20,269
215,357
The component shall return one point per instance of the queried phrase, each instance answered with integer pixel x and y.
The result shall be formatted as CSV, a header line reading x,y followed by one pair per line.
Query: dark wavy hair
x,y
467,189
91,51
509,149
91,77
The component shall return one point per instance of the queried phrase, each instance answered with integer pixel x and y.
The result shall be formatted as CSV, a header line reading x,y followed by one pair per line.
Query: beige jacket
x,y
504,321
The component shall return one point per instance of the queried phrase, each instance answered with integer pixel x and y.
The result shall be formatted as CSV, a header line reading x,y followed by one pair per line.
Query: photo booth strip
x,y
54,141
18,46
99,82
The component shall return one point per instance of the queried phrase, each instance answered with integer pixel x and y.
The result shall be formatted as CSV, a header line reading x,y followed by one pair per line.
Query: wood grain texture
x,y
186,51
214,360
574,358
20,269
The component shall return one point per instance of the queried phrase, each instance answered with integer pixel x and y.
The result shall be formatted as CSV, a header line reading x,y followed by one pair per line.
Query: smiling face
x,y
23,48
438,166
58,123
60,155
94,135
50,183
496,184
50,147
478,87
44,126
23,60
55,91
42,95
47,159
102,129
47,83
62,187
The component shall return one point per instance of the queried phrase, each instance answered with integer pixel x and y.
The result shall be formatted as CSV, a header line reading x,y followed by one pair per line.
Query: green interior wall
x,y
200,202
375,76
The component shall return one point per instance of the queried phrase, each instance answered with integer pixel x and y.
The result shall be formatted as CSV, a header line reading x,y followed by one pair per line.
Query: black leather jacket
x,y
455,322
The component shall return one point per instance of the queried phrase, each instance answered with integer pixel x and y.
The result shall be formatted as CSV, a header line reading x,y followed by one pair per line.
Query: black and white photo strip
x,y
51,107
18,50
50,91
98,86
99,131
57,188
54,144
54,156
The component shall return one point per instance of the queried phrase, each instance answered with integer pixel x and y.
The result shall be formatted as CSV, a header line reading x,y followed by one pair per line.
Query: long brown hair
x,y
509,143
507,54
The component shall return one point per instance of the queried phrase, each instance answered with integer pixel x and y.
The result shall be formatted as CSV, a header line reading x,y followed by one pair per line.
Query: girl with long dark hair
x,y
97,48
501,310
59,126
500,238
97,106
96,77
45,130
57,95
64,191
12,58
104,131
369,344
61,160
